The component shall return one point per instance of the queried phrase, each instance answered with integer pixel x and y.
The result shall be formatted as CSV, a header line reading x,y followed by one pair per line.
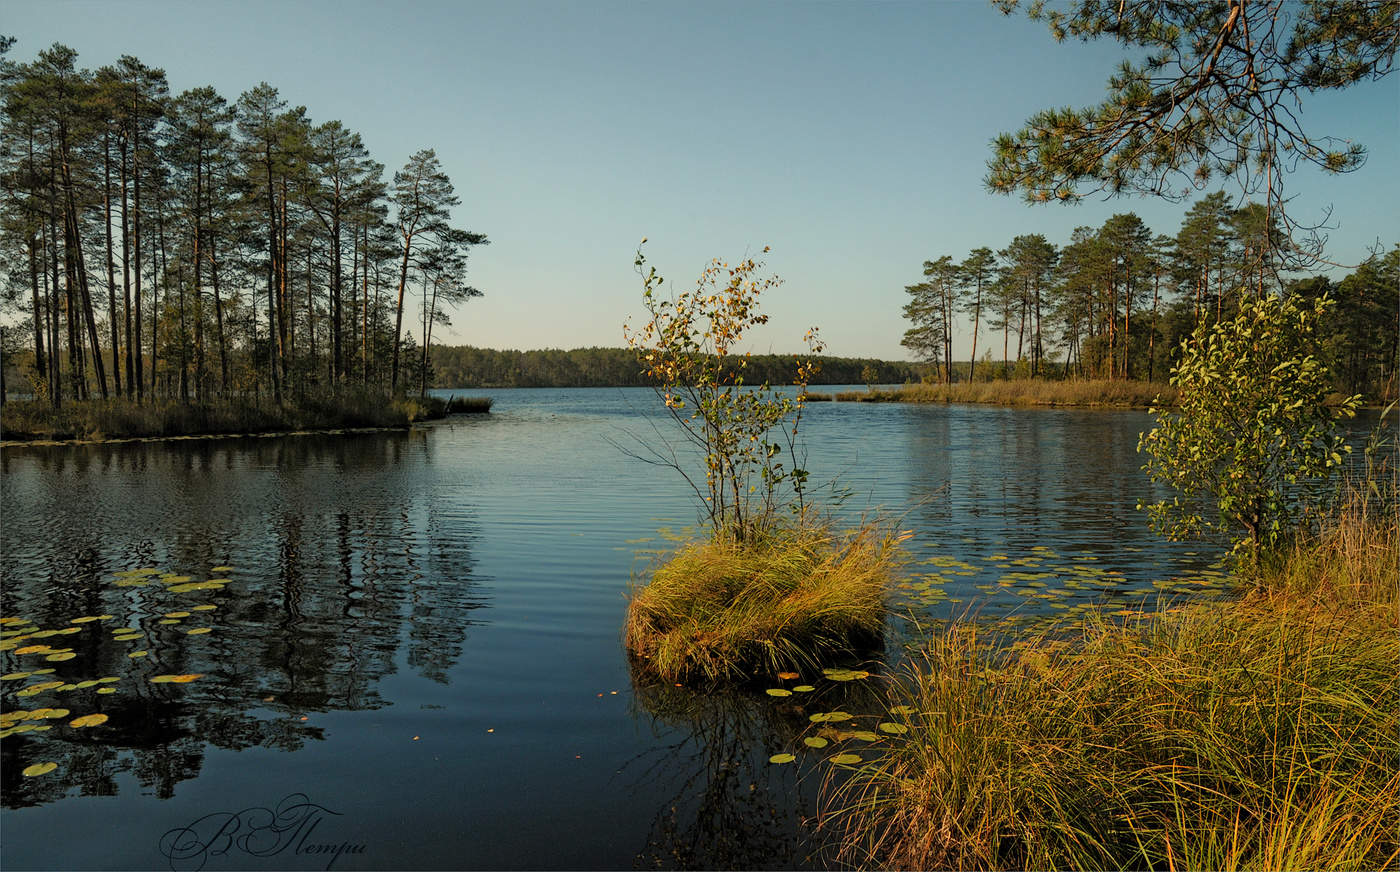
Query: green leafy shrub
x,y
1251,445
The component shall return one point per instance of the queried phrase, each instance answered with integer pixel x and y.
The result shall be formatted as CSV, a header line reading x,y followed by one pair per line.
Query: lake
x,y
402,650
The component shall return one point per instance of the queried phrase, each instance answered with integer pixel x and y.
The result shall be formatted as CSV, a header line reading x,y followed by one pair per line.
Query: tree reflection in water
x,y
345,566
729,808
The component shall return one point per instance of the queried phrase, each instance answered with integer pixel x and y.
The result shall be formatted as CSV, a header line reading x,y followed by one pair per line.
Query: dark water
x,y
415,662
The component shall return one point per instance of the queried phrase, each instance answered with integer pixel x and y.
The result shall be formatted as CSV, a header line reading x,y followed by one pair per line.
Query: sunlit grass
x,y
1025,392
795,599
1256,733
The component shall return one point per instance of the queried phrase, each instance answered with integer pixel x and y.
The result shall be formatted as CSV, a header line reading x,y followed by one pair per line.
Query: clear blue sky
x,y
850,137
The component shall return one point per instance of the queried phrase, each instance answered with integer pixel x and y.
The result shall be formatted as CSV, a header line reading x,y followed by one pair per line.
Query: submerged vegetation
x,y
728,611
1254,733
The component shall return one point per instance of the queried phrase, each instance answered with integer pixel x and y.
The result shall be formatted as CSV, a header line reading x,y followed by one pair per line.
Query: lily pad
x,y
902,710
829,717
61,656
15,676
196,631
845,674
203,608
44,714
167,621
33,649
38,769
782,758
222,569
893,729
864,735
175,679
135,654
177,614
88,721
846,759
788,676
815,742
772,691
803,688
198,585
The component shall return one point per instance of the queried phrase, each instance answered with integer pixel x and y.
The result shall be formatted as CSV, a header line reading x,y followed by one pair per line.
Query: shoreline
x,y
263,434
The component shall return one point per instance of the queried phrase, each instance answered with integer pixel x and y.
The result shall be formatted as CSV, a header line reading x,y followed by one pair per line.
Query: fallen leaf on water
x,y
787,676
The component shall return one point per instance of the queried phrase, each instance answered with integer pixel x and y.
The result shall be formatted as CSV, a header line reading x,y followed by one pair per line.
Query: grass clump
x,y
1260,733
468,405
792,598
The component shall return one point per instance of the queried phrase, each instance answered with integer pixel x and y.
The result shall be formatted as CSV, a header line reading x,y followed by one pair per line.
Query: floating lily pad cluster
x,y
26,644
836,730
1067,586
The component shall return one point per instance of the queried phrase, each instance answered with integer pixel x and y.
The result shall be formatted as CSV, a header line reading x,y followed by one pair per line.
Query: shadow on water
x,y
290,576
727,806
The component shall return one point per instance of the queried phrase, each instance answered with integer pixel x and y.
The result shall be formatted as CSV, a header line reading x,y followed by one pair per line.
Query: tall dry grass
x,y
1026,392
797,598
1259,733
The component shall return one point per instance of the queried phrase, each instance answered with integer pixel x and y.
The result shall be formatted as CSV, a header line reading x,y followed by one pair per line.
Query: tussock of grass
x,y
119,418
468,405
721,611
1026,392
1261,733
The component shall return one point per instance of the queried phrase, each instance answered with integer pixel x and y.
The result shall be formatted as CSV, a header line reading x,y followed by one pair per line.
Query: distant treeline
x,y
465,366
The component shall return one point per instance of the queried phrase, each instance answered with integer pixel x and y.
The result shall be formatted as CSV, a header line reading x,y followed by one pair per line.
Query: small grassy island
x,y
726,612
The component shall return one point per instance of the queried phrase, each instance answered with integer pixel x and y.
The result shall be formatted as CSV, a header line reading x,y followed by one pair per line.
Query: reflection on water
x,y
334,562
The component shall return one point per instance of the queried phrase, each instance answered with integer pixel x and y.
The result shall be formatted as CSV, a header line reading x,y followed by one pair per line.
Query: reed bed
x,y
1119,393
1257,733
723,611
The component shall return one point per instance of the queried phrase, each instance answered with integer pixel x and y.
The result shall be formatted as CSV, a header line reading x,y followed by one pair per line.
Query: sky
x,y
852,138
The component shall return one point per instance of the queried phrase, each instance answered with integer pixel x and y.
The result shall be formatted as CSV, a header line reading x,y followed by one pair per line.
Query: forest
x,y
1115,301
190,247
467,366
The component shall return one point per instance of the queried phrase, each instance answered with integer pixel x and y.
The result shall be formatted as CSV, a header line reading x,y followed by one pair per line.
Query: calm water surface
x,y
415,661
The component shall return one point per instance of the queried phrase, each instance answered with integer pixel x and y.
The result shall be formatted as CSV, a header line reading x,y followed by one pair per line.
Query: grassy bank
x,y
798,599
1261,733
1027,392
94,420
